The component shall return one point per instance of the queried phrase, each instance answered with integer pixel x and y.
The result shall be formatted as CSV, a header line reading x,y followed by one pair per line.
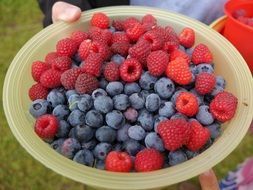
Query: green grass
x,y
19,21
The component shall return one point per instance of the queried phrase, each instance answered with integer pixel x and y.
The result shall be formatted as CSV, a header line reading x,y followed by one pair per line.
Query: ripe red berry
x,y
66,47
120,48
148,22
101,35
86,83
111,71
223,106
100,20
79,36
46,126
201,54
130,70
39,67
135,32
178,53
69,77
148,160
37,91
118,24
154,39
50,56
205,83
130,22
120,37
157,62
187,104
62,63
118,162
51,78
93,64
187,37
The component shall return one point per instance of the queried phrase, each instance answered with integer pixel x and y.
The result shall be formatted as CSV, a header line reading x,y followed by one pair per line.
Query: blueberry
x,y
122,133
179,115
136,132
77,58
204,67
189,51
84,157
166,109
207,145
118,147
73,101
84,133
101,150
94,119
152,103
82,64
115,119
132,147
100,164
215,130
131,88
176,157
90,144
103,104
76,117
63,129
191,154
57,145
69,93
146,120
61,111
158,119
131,115
176,93
85,103
70,147
204,116
220,81
199,97
164,87
193,69
144,93
106,134
98,92
103,83
147,81
121,102
152,140
112,29
117,58
137,101
55,97
114,88
72,133
182,48
39,107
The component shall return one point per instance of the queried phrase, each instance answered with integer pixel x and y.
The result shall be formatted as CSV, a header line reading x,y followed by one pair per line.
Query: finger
x,y
208,181
65,12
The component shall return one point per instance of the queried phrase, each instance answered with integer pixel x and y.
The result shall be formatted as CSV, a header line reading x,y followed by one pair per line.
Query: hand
x,y
208,181
65,12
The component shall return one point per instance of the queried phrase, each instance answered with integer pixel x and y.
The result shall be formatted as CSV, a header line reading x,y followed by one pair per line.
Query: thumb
x,y
208,181
65,12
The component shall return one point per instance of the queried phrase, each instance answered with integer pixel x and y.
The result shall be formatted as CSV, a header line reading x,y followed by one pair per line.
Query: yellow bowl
x,y
228,63
219,24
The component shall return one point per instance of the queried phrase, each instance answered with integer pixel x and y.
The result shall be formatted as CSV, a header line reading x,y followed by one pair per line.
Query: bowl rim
x,y
112,180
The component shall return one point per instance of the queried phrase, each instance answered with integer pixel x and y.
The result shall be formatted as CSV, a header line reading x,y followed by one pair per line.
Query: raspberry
x,y
79,36
199,136
86,83
39,67
149,22
118,25
120,48
118,162
201,54
135,32
187,104
130,22
170,46
187,37
120,37
69,77
148,160
101,35
157,62
37,91
62,63
111,71
100,20
51,78
46,126
205,83
175,133
179,71
178,53
154,39
223,106
66,47
93,64
161,32
50,56
130,70
171,35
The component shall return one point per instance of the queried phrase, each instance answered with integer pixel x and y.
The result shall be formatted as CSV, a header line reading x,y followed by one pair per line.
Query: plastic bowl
x,y
228,63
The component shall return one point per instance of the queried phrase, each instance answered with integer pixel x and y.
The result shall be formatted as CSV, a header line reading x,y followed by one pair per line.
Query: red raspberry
x,y
79,36
179,71
118,162
205,83
148,22
199,136
135,32
118,24
50,56
111,71
148,160
37,91
130,70
201,54
120,48
171,35
223,106
187,104
161,32
154,39
69,77
66,47
120,37
175,133
46,126
51,78
62,63
170,46
86,83
178,53
100,20
187,37
101,35
39,67
157,62
130,22
93,64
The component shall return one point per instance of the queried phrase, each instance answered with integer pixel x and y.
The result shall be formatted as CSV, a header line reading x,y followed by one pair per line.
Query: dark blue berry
x,y
103,104
103,83
90,144
61,111
204,116
122,133
114,88
63,129
152,140
164,87
179,115
144,94
117,58
84,157
112,29
131,88
100,164
56,97
121,102
70,147
39,107
216,90
215,130
57,145
205,68
94,119
106,134
98,92
77,59
73,101
76,117
131,115
146,120
69,93
84,133
118,147
191,154
85,103
115,119
153,102
132,147
177,157
220,81
147,81
101,150
189,51
166,109
136,132
137,101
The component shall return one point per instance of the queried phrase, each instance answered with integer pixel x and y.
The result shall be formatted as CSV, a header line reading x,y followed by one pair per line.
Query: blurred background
x,y
19,21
